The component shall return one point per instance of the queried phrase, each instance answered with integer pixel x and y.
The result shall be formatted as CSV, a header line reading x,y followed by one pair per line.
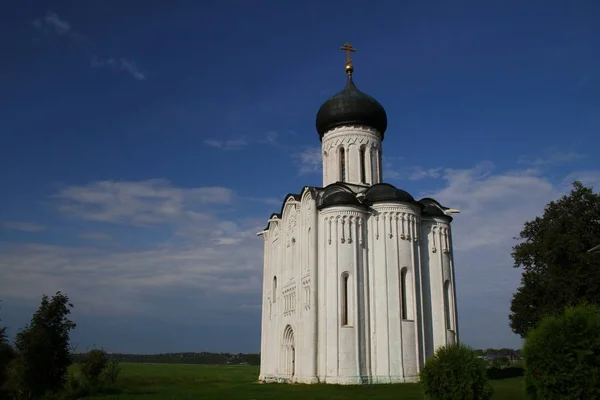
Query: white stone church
x,y
358,283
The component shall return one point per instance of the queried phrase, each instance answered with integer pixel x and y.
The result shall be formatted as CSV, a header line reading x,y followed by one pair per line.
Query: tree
x,y
3,334
7,353
43,347
557,269
501,362
562,355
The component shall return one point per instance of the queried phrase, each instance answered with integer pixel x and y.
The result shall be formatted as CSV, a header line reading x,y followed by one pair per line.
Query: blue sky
x,y
141,149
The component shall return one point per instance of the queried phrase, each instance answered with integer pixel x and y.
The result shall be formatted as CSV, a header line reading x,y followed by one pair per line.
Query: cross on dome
x,y
348,48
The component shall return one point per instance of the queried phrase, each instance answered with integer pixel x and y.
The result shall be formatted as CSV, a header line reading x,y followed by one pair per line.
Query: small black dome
x,y
337,194
351,107
383,192
433,211
340,199
432,208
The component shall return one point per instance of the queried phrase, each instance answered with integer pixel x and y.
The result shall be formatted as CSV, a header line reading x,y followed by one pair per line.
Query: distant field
x,y
187,381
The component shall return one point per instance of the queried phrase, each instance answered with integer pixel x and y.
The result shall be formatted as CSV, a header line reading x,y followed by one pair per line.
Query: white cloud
x,y
204,258
212,264
309,161
213,269
60,26
119,64
494,207
587,177
272,201
231,144
95,236
63,28
414,173
140,203
22,226
552,156
271,137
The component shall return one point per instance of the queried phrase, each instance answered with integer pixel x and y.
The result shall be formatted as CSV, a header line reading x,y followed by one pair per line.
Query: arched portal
x,y
289,352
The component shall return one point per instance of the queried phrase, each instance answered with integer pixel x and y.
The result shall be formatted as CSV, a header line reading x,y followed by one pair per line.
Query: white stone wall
x,y
351,139
342,244
438,285
288,319
389,332
393,239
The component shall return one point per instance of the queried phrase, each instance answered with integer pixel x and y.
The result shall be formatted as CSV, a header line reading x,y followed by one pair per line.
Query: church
x,y
358,278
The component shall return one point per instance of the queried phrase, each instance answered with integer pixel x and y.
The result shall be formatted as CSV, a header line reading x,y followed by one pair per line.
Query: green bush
x,y
562,356
98,374
455,373
93,366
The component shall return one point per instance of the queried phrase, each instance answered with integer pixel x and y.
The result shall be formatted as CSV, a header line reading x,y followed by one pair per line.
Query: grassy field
x,y
177,381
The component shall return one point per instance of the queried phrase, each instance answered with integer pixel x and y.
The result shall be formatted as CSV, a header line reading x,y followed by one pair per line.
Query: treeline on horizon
x,y
239,358
183,358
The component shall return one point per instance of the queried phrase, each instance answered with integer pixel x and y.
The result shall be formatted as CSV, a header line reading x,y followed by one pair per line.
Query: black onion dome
x,y
337,194
351,107
384,192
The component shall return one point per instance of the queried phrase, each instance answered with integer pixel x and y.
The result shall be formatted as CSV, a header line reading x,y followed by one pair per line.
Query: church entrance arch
x,y
289,352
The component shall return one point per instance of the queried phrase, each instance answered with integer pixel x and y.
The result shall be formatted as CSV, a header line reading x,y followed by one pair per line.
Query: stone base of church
x,y
368,380
287,379
341,380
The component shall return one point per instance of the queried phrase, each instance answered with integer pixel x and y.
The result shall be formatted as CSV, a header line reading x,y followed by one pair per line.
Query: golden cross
x,y
348,49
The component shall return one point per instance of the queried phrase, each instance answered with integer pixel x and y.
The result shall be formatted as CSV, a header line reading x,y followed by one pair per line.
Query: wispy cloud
x,y
238,143
95,236
22,226
552,156
272,201
494,206
231,144
139,203
210,260
271,137
207,256
583,81
310,160
414,173
587,177
119,64
61,27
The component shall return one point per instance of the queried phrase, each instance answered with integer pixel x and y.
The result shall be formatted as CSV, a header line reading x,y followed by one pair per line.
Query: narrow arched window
x,y
373,164
403,304
344,302
448,305
379,165
309,249
363,173
274,289
342,164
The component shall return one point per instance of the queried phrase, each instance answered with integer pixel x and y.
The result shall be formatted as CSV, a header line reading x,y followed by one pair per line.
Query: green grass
x,y
177,381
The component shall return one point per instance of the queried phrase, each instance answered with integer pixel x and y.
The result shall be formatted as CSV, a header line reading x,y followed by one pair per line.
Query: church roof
x,y
383,192
432,208
351,107
340,194
337,194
